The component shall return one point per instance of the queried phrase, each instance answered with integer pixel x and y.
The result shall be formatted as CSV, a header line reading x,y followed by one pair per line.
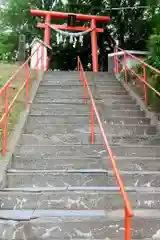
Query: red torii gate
x,y
80,17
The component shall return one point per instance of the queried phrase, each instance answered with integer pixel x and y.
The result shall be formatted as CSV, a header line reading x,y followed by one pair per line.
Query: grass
x,y
6,71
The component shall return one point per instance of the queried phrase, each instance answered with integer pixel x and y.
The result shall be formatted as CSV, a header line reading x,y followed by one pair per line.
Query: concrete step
x,y
58,112
52,179
104,77
61,106
77,163
86,119
150,140
51,130
62,85
102,178
127,120
105,93
50,138
120,106
63,82
61,76
79,89
54,73
113,97
58,119
122,113
134,110
78,225
71,130
115,101
63,94
127,130
112,103
116,88
52,99
64,88
39,137
60,109
77,200
57,163
111,111
40,151
110,83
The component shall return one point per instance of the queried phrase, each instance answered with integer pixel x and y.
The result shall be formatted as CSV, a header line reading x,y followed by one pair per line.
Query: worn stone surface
x,y
39,137
57,163
127,120
113,97
77,200
52,99
50,129
45,179
77,228
127,164
119,113
38,151
60,109
58,120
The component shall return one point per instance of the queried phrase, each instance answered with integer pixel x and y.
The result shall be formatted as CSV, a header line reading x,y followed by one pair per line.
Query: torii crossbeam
x,y
80,17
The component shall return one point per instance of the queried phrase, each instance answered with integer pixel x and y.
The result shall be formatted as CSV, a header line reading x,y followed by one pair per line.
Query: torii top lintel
x,y
61,15
80,17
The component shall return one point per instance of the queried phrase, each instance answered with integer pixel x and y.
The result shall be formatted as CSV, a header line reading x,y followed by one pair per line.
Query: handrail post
x,y
115,64
27,82
92,123
78,64
42,58
127,225
81,74
37,63
145,87
4,140
125,68
116,68
85,91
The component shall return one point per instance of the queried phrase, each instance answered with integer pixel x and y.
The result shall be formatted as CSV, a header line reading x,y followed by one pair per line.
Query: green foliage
x,y
132,26
154,49
8,44
154,60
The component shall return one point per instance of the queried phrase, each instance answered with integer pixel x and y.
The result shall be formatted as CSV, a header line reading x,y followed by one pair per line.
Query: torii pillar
x,y
80,17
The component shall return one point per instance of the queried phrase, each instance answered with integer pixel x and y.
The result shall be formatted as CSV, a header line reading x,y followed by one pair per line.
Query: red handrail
x,y
4,90
126,69
127,206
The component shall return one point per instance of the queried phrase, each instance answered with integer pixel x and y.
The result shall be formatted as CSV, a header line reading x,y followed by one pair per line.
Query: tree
x,y
131,26
8,46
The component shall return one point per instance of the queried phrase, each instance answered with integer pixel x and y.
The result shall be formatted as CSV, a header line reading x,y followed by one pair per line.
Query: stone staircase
x,y
62,187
